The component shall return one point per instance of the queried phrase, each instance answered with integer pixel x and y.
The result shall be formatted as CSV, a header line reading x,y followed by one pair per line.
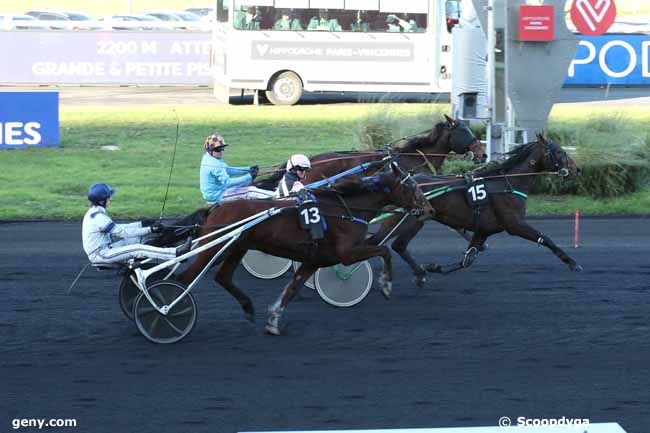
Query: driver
x,y
221,182
297,167
107,242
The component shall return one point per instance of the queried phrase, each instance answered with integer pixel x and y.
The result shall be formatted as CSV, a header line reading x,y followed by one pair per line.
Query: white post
x,y
130,7
491,44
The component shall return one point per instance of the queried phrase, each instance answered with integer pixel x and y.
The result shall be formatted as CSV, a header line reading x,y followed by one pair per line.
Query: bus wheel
x,y
286,89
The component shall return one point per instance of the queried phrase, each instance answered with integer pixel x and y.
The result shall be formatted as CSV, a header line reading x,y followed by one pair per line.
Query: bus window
x,y
222,10
324,22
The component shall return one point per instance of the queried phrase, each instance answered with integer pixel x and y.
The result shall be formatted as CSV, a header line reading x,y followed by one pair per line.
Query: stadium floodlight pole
x,y
491,45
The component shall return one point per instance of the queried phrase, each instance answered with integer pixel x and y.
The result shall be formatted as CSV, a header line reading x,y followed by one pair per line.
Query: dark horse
x,y
487,201
346,211
417,154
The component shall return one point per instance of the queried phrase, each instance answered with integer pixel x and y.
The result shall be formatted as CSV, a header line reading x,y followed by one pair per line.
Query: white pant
x,y
246,192
121,253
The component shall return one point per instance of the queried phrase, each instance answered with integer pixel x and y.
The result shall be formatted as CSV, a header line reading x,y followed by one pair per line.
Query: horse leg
x,y
467,235
224,278
472,251
400,246
363,252
523,230
277,308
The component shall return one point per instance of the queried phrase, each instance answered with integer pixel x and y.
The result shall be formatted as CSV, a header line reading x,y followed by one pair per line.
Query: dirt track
x,y
516,335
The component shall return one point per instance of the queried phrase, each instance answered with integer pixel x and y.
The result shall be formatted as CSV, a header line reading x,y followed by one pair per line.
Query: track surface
x,y
516,335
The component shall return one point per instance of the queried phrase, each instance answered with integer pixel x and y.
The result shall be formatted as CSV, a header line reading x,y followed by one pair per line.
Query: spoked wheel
x,y
265,266
160,328
344,286
129,291
310,281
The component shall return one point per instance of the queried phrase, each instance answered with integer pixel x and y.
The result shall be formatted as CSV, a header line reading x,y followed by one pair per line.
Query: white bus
x,y
285,47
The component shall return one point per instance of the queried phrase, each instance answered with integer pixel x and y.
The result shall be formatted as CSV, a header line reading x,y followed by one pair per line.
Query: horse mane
x,y
270,180
515,157
354,188
418,141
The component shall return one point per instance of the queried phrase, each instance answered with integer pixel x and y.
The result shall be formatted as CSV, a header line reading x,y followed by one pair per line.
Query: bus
x,y
286,47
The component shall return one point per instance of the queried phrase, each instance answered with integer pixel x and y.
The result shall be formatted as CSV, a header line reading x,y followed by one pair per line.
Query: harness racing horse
x,y
424,153
345,211
417,154
487,201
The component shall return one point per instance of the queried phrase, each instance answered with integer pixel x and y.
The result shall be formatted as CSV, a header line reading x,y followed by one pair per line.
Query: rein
x,y
498,176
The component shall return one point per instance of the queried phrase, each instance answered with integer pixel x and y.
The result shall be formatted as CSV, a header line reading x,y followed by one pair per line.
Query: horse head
x,y
404,191
460,139
556,159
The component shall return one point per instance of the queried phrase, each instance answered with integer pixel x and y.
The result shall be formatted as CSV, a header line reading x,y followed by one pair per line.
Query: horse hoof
x,y
272,330
576,268
433,268
386,291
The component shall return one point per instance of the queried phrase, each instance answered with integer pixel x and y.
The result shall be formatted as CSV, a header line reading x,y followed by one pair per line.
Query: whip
x,y
171,169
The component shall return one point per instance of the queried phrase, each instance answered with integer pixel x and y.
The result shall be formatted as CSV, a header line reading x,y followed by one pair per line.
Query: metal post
x,y
491,44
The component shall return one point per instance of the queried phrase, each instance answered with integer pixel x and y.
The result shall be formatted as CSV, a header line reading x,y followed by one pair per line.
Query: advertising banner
x,y
611,59
106,58
29,119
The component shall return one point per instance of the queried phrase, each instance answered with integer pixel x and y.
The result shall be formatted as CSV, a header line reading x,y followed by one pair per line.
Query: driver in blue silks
x,y
221,182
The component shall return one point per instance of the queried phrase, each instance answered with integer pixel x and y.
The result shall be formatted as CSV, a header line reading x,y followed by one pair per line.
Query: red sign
x,y
536,23
593,17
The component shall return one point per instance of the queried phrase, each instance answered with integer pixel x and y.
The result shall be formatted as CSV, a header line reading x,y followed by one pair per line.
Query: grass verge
x,y
52,183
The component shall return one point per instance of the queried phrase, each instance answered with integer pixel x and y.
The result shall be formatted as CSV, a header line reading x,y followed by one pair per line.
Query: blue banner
x,y
29,119
611,59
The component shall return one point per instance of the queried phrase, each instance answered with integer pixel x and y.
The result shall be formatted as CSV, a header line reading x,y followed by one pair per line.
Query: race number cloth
x,y
310,216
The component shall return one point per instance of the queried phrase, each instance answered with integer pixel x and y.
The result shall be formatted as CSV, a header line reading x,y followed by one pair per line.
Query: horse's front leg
x,y
363,252
523,230
468,235
277,308
224,278
400,245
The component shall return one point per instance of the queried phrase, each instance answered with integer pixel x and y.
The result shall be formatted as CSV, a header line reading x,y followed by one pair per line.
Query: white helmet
x,y
298,161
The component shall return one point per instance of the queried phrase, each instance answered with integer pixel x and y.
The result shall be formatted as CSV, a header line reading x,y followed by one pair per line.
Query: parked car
x,y
20,22
181,17
136,22
65,16
50,16
206,14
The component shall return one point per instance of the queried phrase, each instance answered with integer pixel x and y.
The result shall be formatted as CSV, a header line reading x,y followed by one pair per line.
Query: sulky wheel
x,y
310,281
170,328
129,291
344,286
265,266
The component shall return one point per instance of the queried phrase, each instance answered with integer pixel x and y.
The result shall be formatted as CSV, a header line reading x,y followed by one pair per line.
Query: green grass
x,y
52,183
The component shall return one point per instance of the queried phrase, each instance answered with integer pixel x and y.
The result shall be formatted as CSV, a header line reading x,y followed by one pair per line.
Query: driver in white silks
x,y
297,167
107,242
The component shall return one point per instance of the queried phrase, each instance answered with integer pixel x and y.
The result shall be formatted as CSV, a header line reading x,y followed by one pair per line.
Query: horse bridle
x,y
549,154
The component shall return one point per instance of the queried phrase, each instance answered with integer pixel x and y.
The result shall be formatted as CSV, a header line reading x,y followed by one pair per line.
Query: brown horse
x,y
346,212
417,154
487,201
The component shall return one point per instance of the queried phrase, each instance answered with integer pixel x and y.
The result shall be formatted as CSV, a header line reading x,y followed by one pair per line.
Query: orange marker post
x,y
576,230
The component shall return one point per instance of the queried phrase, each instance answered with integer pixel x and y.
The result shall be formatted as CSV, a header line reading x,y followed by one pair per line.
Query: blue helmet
x,y
98,192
